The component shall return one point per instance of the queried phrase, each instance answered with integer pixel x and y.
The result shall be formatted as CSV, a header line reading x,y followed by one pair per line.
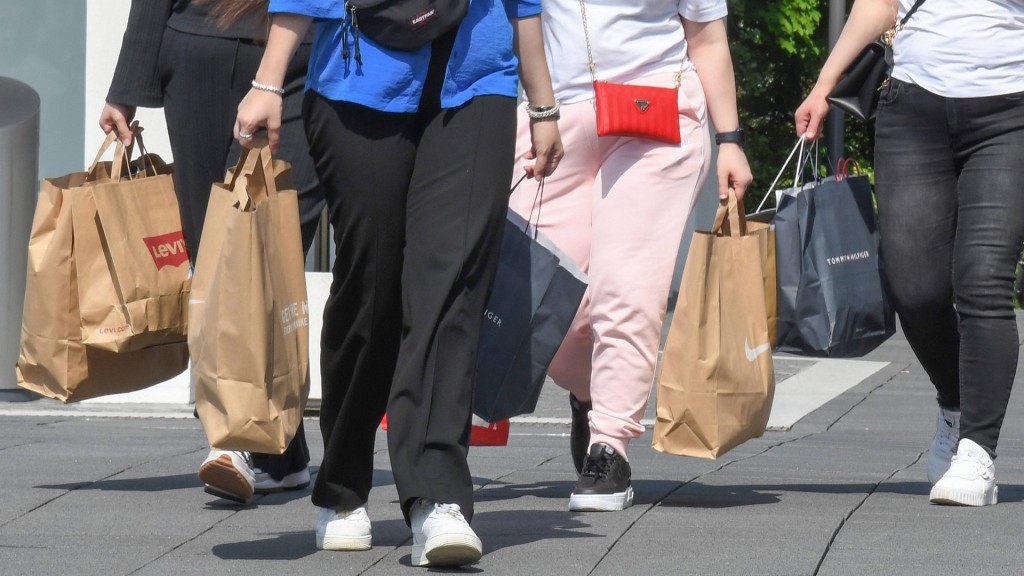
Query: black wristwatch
x,y
734,137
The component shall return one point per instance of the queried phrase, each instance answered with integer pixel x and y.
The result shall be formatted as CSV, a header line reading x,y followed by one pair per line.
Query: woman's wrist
x,y
267,87
543,112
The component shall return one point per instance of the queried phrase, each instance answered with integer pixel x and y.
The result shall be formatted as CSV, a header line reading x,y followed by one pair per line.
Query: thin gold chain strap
x,y
590,52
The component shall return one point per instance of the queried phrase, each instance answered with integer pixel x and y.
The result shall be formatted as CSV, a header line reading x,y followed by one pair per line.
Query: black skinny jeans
x,y
950,183
417,202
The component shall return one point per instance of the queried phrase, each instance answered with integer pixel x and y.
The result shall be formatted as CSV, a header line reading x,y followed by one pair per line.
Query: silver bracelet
x,y
542,112
268,88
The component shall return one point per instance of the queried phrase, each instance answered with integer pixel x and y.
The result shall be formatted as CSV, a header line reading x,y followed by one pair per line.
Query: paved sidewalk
x,y
840,492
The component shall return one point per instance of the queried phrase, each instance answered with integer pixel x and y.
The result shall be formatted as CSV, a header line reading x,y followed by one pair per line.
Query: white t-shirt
x,y
630,39
962,49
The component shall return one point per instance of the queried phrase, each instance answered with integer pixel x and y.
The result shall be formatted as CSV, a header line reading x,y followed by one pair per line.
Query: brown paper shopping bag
x,y
133,269
717,381
249,322
53,359
765,234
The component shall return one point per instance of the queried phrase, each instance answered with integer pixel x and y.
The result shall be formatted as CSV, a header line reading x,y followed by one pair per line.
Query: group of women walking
x,y
414,150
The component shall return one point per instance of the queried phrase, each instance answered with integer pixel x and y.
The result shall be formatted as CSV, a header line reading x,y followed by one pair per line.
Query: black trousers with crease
x,y
417,202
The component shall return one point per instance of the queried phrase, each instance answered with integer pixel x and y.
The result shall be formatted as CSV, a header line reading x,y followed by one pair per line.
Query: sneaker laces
x,y
597,468
345,514
969,465
452,510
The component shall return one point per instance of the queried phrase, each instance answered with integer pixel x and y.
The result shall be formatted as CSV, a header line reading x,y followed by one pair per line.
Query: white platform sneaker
x,y
970,480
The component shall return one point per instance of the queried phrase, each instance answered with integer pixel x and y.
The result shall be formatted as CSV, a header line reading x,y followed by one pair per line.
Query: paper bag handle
x,y
111,136
122,157
801,165
736,225
253,177
847,167
148,167
120,154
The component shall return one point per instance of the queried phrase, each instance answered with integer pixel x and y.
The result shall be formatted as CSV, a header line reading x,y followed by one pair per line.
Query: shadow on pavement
x,y
295,545
696,495
284,546
508,528
150,484
496,490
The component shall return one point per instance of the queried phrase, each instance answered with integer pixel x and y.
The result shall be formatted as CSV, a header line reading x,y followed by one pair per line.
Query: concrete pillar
x,y
19,173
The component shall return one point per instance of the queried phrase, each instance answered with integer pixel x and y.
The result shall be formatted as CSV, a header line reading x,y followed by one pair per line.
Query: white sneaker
x,y
343,530
947,434
441,536
970,480
228,474
267,484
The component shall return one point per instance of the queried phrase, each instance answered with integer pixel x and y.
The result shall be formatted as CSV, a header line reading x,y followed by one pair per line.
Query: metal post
x,y
19,173
834,121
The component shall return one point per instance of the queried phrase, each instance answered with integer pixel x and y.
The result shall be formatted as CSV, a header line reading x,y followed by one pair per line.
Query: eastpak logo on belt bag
x,y
400,24
423,18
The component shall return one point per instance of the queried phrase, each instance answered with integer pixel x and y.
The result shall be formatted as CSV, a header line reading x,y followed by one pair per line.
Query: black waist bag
x,y
405,24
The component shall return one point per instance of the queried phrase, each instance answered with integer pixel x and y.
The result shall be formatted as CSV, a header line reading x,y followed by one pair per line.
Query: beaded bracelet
x,y
542,112
268,88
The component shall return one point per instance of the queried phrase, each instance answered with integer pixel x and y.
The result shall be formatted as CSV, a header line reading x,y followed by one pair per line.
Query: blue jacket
x,y
482,62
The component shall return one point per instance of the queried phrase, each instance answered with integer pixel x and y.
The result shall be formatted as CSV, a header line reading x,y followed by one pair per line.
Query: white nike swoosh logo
x,y
753,353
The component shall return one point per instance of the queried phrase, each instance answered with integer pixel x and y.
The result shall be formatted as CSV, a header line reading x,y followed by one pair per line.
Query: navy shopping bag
x,y
831,294
536,293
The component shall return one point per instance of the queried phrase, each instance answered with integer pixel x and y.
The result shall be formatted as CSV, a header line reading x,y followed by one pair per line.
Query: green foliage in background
x,y
778,47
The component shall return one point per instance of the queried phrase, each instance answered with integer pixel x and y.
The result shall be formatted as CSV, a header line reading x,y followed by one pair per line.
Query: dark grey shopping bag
x,y
536,293
831,293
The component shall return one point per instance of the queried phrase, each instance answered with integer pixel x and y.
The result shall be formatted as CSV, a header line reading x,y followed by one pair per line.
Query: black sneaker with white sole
x,y
604,485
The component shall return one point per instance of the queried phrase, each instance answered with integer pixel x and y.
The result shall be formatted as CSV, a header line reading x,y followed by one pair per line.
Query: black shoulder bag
x,y
405,24
858,90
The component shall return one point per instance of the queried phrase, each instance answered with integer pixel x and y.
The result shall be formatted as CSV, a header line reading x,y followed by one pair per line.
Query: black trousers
x,y
204,79
417,202
950,187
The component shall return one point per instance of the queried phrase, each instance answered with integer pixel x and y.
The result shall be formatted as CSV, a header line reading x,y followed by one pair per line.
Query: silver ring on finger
x,y
245,135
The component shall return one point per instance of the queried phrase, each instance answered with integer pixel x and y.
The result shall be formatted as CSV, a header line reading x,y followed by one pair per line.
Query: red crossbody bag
x,y
632,109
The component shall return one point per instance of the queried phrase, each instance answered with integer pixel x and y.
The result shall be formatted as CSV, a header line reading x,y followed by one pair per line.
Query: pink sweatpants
x,y
618,206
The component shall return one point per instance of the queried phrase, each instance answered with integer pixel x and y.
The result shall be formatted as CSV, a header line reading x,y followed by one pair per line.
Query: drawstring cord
x,y
351,24
344,35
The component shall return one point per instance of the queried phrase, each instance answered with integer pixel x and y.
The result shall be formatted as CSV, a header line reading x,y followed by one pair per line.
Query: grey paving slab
x,y
841,492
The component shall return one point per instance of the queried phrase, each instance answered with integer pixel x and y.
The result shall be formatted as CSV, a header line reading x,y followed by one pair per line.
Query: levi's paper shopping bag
x,y
717,381
249,318
53,360
133,270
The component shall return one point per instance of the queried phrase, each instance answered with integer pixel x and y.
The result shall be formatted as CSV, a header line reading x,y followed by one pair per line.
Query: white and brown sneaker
x,y
228,474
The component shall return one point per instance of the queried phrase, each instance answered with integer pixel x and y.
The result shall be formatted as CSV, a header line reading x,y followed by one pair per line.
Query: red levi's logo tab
x,y
167,249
